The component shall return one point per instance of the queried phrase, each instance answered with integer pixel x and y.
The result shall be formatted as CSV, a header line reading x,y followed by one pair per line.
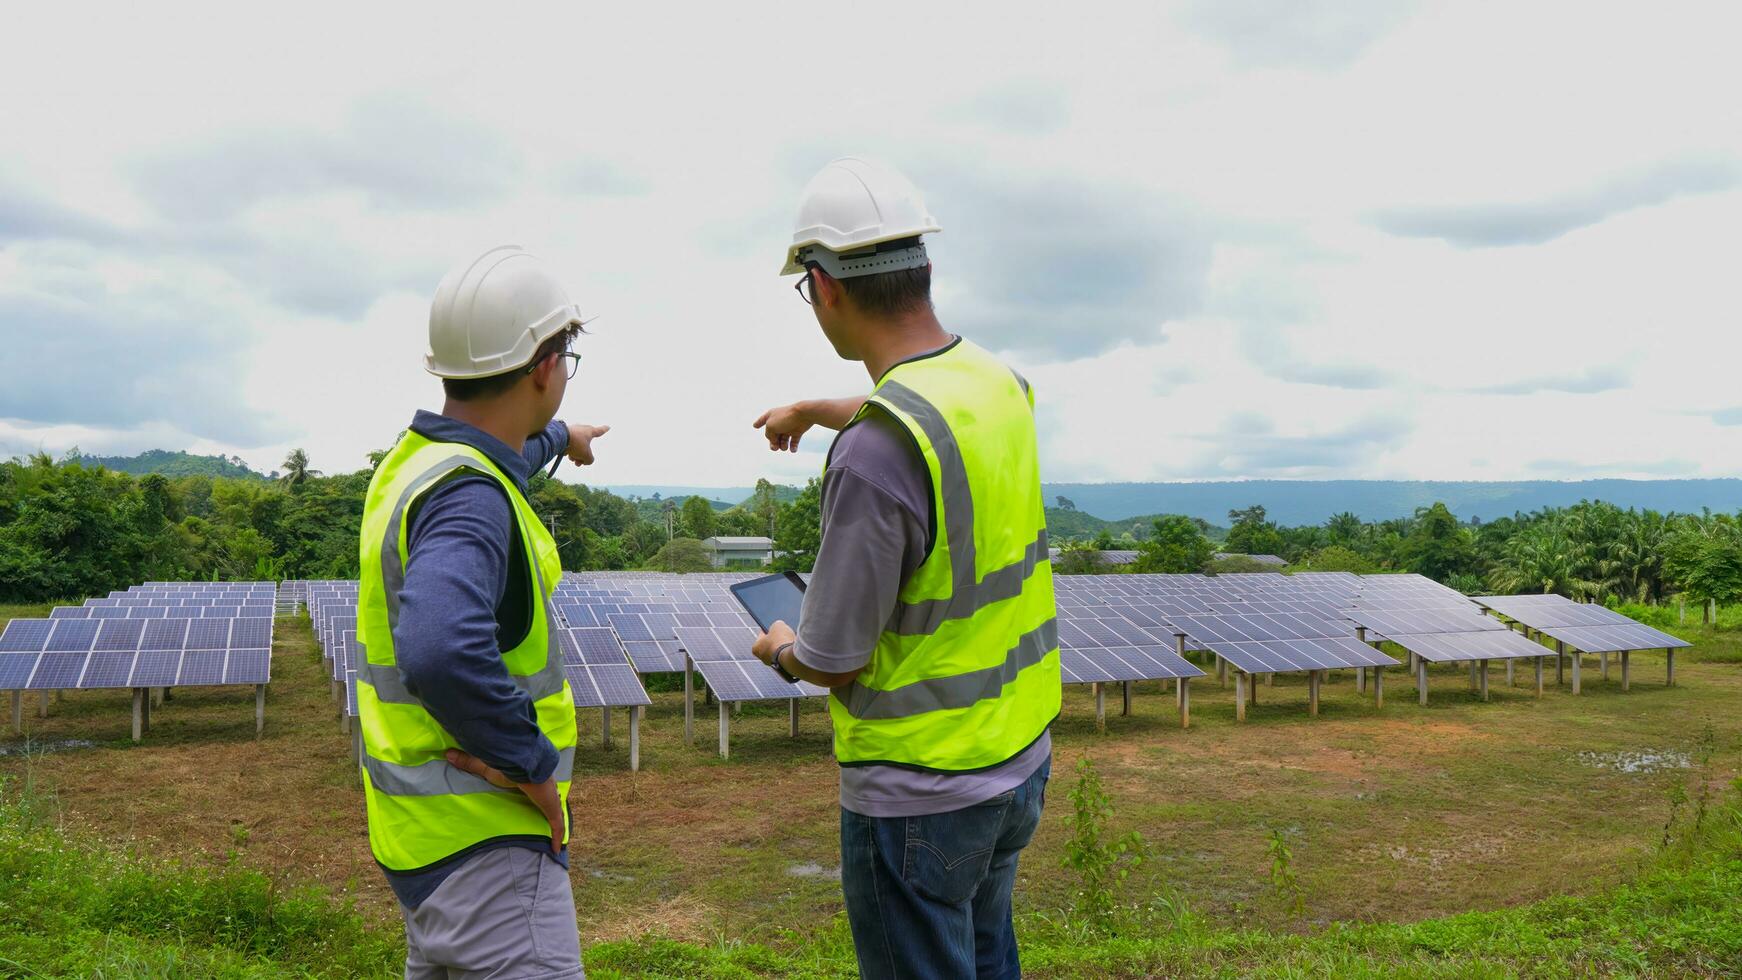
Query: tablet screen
x,y
771,598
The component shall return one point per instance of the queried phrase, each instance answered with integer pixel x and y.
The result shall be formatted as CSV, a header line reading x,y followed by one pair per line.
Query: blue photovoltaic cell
x,y
208,634
252,666
164,634
156,668
597,645
703,644
581,686
109,612
108,669
182,612
74,634
618,686
251,633
693,620
655,656
663,626
725,619
26,635
221,612
630,626
70,612
58,670
120,634
15,669
147,612
201,667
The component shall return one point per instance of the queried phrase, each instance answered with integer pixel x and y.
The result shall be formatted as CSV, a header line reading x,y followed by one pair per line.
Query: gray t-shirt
x,y
876,517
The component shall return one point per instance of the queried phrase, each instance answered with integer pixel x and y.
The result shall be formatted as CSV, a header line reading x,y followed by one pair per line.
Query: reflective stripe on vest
x,y
966,671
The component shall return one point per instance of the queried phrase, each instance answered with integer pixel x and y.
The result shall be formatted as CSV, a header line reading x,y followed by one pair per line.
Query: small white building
x,y
728,551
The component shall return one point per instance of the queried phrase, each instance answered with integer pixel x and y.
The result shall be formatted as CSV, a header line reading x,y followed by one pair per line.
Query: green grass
x,y
75,908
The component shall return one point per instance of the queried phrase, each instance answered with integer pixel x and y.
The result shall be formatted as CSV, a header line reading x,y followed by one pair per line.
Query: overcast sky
x,y
1223,238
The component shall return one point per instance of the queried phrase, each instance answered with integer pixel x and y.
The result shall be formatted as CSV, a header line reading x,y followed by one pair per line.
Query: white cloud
x,y
1163,214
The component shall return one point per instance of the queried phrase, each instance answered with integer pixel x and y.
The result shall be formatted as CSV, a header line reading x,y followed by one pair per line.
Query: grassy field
x,y
1394,820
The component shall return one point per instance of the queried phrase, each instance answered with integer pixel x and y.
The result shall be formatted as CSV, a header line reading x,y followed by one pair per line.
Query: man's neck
x,y
479,417
899,340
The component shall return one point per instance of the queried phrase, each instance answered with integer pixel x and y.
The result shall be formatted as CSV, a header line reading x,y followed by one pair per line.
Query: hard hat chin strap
x,y
870,261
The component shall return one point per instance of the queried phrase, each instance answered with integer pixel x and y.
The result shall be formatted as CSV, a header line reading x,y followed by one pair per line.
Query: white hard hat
x,y
491,314
852,206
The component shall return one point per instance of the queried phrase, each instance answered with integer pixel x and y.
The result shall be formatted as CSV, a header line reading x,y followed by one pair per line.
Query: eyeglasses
x,y
806,291
574,362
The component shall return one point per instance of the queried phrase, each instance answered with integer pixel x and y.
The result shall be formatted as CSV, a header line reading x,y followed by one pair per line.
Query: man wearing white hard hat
x,y
930,612
468,723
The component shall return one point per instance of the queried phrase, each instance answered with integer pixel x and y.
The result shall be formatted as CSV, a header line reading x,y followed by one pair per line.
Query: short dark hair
x,y
477,389
890,293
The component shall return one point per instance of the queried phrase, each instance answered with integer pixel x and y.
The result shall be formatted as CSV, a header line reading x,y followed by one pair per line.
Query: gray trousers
x,y
506,914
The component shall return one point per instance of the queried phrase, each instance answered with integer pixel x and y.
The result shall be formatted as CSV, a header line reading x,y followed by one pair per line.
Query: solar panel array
x,y
153,635
1591,628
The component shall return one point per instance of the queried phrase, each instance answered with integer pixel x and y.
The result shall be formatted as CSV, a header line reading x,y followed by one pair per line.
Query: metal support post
x,y
1378,688
604,728
138,714
1239,695
259,710
1624,680
1125,692
634,739
1185,702
1669,679
1421,680
689,701
1539,677
1484,675
1100,708
725,731
1578,658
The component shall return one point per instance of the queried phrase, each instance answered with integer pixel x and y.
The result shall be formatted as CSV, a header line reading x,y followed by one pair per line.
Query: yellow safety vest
x,y
966,672
421,809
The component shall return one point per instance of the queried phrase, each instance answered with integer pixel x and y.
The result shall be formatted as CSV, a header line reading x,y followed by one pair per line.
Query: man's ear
x,y
541,372
828,288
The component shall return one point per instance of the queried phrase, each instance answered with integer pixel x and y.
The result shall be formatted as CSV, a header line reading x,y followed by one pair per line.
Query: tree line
x,y
1591,551
70,530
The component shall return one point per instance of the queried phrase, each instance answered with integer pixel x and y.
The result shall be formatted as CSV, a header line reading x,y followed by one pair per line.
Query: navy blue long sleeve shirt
x,y
466,598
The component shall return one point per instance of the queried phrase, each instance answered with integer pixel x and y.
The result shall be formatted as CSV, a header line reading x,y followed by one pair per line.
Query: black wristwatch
x,y
779,667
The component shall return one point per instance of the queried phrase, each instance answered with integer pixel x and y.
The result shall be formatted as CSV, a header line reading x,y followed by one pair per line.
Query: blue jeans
x,y
930,896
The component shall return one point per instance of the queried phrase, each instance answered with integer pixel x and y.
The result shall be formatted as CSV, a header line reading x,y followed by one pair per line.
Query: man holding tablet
x,y
930,611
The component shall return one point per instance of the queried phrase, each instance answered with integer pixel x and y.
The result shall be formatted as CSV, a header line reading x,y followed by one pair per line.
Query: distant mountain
x,y
1295,502
170,463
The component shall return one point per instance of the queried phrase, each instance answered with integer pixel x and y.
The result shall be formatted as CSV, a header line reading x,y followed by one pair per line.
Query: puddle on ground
x,y
1637,762
43,748
811,869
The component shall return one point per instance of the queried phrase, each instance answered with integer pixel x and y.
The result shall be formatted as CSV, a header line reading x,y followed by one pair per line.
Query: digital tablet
x,y
772,598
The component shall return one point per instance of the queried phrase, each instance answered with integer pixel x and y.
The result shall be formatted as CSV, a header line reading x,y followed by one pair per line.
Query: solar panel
x,y
251,632
73,634
156,668
630,626
201,668
164,634
26,635
70,612
120,634
58,670
108,669
248,666
1502,644
1615,638
605,686
732,672
1420,621
208,634
597,645
655,656
1305,653
15,669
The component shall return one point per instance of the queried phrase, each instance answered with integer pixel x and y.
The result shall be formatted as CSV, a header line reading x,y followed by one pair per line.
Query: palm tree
x,y
296,468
